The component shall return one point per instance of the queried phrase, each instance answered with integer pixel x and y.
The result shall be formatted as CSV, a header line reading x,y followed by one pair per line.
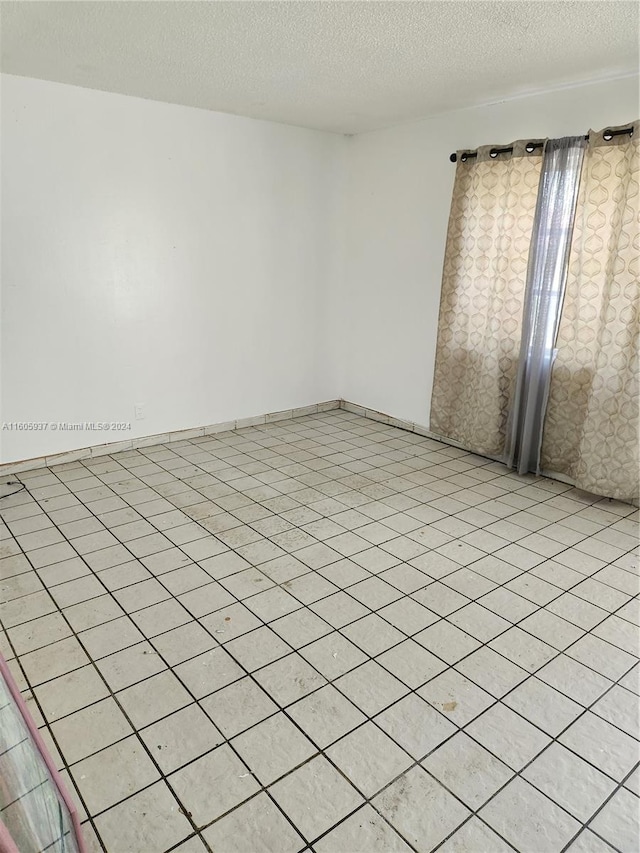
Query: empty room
x,y
319,443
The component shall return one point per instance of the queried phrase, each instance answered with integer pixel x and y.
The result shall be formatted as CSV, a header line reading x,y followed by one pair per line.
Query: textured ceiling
x,y
339,66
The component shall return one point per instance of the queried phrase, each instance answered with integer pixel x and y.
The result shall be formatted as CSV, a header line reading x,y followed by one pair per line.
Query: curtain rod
x,y
533,146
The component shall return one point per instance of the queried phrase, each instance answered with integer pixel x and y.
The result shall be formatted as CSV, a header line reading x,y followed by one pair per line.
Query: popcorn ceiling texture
x,y
345,67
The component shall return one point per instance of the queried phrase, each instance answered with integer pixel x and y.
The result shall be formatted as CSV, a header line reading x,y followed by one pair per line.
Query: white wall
x,y
214,267
158,254
397,207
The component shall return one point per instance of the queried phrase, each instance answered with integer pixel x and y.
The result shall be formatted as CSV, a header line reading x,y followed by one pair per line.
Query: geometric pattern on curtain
x,y
482,297
591,425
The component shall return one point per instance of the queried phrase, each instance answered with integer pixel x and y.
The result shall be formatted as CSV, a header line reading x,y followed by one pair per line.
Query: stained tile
x,y
208,672
468,770
508,736
605,746
528,820
153,698
333,655
84,732
325,715
415,725
151,819
411,663
371,687
113,774
543,706
230,622
402,803
447,642
425,583
619,822
364,832
315,797
459,699
272,748
70,692
229,783
569,781
369,758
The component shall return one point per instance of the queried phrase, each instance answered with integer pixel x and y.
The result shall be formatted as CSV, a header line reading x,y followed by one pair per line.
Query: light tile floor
x,y
330,635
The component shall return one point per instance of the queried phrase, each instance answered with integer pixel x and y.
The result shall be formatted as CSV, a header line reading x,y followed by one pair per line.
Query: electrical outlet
x,y
138,411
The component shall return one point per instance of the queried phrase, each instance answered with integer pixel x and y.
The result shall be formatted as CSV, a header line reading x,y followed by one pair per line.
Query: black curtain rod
x,y
530,147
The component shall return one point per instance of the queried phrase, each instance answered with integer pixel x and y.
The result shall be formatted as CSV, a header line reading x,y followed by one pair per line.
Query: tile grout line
x,y
406,595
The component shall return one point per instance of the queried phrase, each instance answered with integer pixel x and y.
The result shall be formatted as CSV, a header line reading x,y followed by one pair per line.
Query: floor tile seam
x,y
399,535
393,674
554,739
459,729
136,731
372,574
330,682
404,562
587,824
614,682
454,538
227,741
122,710
518,774
488,462
175,848
370,657
539,608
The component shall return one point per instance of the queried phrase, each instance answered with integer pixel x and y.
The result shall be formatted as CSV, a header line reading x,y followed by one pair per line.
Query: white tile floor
x,y
330,635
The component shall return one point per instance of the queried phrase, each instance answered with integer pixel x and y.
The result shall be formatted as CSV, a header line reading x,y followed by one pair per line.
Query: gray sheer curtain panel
x,y
546,279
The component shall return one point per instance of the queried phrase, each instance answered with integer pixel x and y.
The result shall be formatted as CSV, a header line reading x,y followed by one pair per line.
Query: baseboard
x,y
373,415
383,418
163,438
227,426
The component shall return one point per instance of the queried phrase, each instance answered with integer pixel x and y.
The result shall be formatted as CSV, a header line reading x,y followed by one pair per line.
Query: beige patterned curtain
x,y
591,427
481,306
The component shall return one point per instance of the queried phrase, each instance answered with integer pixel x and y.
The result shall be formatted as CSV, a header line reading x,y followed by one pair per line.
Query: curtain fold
x,y
591,425
546,277
481,305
